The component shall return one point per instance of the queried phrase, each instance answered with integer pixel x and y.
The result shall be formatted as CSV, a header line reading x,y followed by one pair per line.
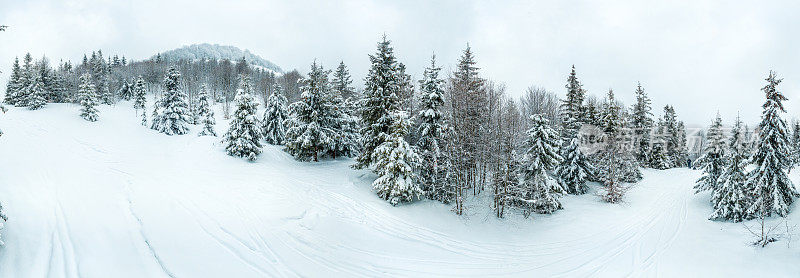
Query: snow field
x,y
115,199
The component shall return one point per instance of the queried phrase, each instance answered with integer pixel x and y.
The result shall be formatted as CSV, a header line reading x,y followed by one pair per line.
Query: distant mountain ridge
x,y
218,52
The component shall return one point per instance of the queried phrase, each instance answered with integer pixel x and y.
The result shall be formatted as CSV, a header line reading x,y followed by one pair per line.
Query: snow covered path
x,y
115,199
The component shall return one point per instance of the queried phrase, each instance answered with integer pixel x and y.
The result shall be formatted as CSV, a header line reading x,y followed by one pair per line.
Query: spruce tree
x,y
574,169
381,96
275,117
642,124
105,91
140,98
27,78
205,112
538,191
611,118
730,198
469,102
712,162
395,163
15,84
674,143
309,135
342,82
243,138
614,161
126,90
430,129
772,190
35,97
173,117
572,110
87,95
345,126
657,156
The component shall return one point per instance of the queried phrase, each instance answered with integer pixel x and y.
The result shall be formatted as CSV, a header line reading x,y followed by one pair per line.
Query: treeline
x,y
446,137
34,83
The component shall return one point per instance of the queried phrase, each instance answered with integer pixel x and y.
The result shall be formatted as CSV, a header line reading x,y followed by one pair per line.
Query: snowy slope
x,y
115,199
218,52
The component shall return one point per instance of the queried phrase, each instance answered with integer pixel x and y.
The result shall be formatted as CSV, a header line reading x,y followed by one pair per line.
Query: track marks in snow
x,y
146,240
250,252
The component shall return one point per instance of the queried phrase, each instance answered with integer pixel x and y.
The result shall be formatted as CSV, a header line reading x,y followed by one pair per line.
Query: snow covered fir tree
x,y
310,134
243,138
772,191
205,113
730,198
395,162
712,162
430,132
140,98
574,170
171,113
538,191
381,92
88,98
274,120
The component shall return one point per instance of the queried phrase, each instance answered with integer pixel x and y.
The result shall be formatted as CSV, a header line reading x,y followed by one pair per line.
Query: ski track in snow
x,y
192,211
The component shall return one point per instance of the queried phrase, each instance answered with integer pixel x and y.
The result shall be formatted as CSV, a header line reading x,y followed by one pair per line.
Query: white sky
x,y
700,56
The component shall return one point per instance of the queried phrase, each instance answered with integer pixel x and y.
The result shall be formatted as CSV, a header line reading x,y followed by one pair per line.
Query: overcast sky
x,y
700,56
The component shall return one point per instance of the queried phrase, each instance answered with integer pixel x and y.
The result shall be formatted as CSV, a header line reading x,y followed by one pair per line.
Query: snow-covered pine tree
x,y
27,78
15,84
611,117
642,125
275,117
730,197
243,138
712,162
395,163
140,98
574,169
572,110
309,134
430,129
772,190
205,112
615,160
35,97
538,191
342,82
345,126
126,90
381,96
657,156
105,92
683,151
173,117
87,95
672,132
469,103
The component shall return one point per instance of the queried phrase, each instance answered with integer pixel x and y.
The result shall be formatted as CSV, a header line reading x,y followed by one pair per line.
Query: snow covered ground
x,y
115,199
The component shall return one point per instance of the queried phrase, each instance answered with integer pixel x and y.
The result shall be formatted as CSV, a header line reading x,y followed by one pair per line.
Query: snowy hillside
x,y
218,52
115,199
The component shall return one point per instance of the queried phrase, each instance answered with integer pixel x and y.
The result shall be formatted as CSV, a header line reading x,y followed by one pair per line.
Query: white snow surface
x,y
115,199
